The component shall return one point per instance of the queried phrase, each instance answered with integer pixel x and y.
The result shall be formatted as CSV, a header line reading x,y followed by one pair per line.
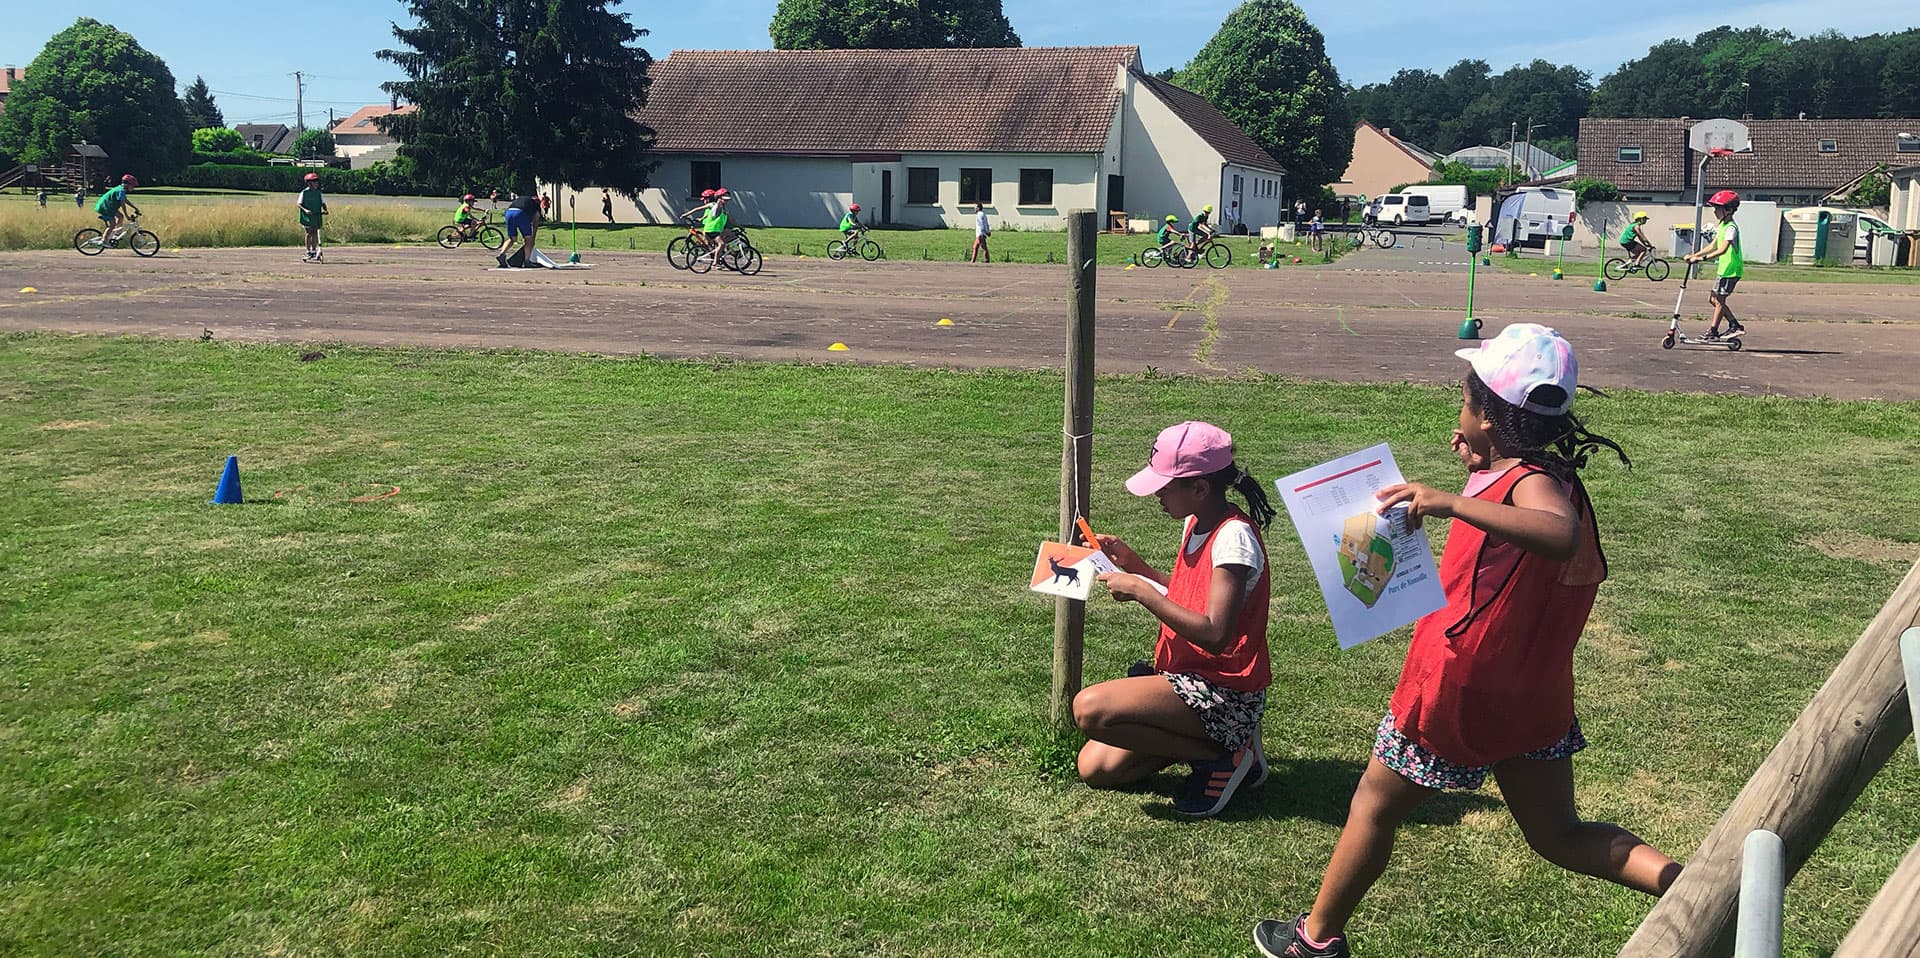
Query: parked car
x,y
1443,199
1403,209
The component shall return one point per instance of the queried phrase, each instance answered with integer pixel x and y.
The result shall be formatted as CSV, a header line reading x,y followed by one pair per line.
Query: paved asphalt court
x,y
1376,315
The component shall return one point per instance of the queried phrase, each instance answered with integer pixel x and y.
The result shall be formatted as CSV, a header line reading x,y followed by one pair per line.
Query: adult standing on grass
x,y
1488,681
606,204
523,220
313,209
1299,215
980,233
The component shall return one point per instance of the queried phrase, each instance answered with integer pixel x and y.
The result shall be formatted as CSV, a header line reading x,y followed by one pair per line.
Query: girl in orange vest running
x,y
1199,701
1488,681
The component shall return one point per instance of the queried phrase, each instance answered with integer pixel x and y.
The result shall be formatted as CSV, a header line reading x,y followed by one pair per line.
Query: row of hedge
x,y
380,178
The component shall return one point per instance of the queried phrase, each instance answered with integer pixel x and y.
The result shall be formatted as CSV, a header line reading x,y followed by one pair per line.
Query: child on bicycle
x,y
1634,241
465,216
313,209
110,205
850,224
1733,264
1199,701
1488,681
1169,236
1199,231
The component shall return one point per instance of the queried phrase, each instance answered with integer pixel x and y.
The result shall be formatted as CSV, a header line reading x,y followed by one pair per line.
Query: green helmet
x,y
1172,218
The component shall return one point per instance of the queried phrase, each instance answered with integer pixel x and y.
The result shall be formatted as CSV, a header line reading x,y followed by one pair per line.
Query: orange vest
x,y
1242,664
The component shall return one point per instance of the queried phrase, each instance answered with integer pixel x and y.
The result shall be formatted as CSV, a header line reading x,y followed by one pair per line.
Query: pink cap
x,y
1182,451
1524,357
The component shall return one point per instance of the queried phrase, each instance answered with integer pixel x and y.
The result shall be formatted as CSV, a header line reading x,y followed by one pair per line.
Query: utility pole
x,y
1527,157
1513,134
299,102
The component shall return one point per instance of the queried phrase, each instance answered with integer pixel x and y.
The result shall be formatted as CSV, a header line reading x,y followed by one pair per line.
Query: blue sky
x,y
247,50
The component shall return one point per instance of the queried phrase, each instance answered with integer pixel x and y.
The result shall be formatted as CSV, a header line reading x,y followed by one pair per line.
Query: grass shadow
x,y
1315,788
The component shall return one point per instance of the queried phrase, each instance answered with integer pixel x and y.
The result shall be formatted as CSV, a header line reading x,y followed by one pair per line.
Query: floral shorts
x,y
1421,767
1230,715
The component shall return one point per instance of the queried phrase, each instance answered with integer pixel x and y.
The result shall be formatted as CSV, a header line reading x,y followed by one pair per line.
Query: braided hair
x,y
1558,444
1239,480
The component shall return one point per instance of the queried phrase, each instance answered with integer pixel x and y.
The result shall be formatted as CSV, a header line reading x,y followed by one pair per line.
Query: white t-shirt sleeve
x,y
1237,545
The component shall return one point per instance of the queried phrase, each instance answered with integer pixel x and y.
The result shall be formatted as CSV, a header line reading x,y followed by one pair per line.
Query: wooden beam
x,y
1076,458
1891,925
1844,736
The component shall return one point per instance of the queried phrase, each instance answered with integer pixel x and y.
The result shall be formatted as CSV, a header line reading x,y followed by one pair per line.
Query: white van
x,y
1403,209
1443,199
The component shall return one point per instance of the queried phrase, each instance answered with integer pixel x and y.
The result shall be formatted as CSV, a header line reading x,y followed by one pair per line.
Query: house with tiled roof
x,y
1793,162
266,137
918,137
7,77
358,133
1382,161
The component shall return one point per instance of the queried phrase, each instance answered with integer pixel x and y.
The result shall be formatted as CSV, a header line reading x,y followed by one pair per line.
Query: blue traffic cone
x,y
229,491
1600,285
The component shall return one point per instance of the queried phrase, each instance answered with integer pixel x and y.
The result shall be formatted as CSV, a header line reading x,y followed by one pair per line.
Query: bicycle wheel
x,y
1616,268
837,250
679,252
1656,269
870,251
1188,258
144,243
1218,256
749,262
451,237
700,261
1384,238
492,238
89,242
1150,258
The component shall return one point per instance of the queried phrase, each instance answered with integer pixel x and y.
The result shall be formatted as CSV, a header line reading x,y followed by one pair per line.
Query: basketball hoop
x,y
1718,135
1719,151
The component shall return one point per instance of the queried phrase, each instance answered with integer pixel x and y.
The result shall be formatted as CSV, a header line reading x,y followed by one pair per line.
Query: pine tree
x,y
202,112
512,90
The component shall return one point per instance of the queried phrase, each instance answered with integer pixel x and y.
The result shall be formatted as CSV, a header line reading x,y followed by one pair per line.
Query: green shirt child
x,y
312,207
1732,262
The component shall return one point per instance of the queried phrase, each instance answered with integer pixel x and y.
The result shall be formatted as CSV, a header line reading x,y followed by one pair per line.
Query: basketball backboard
x,y
1721,134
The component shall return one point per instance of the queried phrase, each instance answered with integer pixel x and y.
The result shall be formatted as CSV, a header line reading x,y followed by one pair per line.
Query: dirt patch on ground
x,y
1864,548
66,424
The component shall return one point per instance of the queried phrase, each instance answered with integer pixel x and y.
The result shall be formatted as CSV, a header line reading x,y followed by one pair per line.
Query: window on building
x,y
1036,187
976,186
923,185
1907,143
706,176
1829,146
1629,154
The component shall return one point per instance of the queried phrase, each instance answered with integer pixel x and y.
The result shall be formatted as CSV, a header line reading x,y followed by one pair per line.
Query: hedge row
x,y
378,178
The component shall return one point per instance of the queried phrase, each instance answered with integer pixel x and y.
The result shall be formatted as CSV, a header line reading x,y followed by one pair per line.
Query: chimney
x,y
1386,131
10,74
393,101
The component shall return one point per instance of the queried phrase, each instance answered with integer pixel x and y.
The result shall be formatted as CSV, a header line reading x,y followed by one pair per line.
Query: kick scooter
x,y
1674,336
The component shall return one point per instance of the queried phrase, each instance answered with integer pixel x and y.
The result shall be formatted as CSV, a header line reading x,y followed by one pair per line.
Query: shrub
x,y
217,139
1588,189
239,157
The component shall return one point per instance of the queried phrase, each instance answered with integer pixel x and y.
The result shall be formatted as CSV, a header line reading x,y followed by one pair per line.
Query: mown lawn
x,y
652,658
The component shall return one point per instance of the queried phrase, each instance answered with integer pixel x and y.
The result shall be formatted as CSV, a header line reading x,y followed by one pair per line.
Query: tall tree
x,y
96,83
1267,70
313,144
517,89
890,25
198,103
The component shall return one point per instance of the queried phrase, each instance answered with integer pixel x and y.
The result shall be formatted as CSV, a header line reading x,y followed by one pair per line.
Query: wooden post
x,y
1076,457
1891,925
1842,738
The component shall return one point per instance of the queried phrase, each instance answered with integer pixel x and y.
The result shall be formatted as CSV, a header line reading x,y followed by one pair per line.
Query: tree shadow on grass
x,y
1316,788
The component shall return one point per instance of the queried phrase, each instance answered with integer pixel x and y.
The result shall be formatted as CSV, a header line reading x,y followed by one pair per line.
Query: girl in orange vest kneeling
x,y
1199,701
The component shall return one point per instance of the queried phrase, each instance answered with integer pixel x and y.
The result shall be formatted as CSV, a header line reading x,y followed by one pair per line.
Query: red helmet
x,y
855,207
312,177
129,180
706,194
1724,198
467,198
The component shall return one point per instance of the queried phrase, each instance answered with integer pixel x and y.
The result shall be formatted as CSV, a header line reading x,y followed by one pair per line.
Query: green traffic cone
x,y
1470,328
1600,285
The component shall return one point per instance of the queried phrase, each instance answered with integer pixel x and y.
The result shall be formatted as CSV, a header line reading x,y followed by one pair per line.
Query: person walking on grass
x,y
606,204
980,233
1733,264
1199,701
313,210
1488,680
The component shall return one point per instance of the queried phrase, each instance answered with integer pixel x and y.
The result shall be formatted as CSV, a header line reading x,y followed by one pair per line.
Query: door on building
x,y
886,196
1116,202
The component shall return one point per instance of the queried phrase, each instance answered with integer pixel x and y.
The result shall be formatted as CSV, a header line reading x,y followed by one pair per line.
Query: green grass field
x,y
652,658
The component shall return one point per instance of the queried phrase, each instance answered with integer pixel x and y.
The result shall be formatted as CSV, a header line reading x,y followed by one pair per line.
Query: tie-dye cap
x,y
1523,358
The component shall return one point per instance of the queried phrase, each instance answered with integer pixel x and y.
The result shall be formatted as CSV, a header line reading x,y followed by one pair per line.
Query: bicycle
x,y
481,229
1178,257
1380,236
1654,268
1216,254
858,243
92,242
736,253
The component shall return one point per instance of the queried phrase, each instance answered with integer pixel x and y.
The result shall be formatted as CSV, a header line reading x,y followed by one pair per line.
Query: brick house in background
x,y
1382,161
917,137
1793,162
7,76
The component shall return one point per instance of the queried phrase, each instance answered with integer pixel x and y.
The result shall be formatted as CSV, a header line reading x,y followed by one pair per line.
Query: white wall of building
x,y
1077,184
1259,197
1169,169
